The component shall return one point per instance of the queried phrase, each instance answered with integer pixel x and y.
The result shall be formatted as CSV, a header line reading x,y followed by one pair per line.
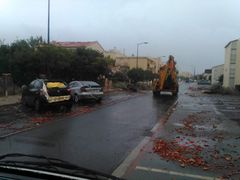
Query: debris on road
x,y
185,155
197,145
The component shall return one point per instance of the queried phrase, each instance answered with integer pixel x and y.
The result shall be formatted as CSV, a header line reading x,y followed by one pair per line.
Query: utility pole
x,y
194,73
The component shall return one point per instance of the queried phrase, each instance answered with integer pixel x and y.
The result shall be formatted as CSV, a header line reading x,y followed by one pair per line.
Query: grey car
x,y
85,90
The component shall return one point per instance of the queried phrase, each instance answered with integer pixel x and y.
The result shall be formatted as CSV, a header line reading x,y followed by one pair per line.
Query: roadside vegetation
x,y
33,58
135,78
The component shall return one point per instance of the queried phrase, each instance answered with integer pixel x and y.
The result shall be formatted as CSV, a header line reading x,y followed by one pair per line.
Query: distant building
x,y
207,74
208,71
231,74
94,45
185,74
144,63
217,71
159,63
114,53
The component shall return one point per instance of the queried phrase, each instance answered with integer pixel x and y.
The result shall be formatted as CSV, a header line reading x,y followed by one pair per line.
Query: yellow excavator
x,y
167,81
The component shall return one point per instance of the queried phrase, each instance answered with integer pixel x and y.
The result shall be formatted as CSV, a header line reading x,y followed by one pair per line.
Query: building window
x,y
232,72
233,56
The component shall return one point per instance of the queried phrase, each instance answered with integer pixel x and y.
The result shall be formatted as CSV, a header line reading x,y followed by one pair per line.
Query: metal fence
x,y
7,86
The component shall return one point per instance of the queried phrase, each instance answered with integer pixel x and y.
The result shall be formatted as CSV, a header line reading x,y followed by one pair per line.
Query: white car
x,y
85,90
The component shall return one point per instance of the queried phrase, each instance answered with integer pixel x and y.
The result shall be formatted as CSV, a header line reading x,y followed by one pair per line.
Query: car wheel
x,y
75,98
23,101
37,105
156,93
175,94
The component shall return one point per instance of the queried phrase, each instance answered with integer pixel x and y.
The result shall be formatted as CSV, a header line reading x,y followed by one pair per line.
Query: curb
x,y
10,100
11,104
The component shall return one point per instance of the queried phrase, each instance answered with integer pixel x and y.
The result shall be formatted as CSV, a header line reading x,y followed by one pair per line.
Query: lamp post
x,y
48,33
138,44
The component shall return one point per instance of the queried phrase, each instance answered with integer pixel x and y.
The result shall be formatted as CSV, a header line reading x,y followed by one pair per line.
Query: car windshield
x,y
131,89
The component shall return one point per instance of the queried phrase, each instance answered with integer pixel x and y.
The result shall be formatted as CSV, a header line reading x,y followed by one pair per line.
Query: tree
x,y
28,59
136,75
89,64
120,76
35,42
53,61
148,75
20,62
4,58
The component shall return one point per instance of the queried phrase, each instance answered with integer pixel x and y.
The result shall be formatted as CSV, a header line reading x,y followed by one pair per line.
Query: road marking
x,y
178,124
155,127
216,111
194,126
120,171
176,173
16,132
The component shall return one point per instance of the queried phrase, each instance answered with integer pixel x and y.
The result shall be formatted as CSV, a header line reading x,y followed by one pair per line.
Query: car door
x,y
75,89
34,91
26,94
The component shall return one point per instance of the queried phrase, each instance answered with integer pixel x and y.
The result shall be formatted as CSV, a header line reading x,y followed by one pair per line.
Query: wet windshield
x,y
133,89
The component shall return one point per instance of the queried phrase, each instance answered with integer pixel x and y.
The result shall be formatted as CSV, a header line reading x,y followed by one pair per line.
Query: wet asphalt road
x,y
98,140
200,140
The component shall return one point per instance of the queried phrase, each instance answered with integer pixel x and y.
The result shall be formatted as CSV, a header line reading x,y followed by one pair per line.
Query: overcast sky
x,y
194,31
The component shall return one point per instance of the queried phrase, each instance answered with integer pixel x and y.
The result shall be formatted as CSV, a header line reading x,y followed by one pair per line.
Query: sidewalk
x,y
200,140
14,99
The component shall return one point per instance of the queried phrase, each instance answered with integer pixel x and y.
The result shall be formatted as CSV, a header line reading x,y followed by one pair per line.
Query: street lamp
x,y
48,33
138,44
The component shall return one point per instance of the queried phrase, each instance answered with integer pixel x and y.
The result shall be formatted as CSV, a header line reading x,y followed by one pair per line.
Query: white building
x,y
217,71
231,74
144,63
159,63
114,53
185,74
94,45
207,75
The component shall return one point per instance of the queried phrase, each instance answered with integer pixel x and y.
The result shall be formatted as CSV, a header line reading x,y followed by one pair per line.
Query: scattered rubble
x,y
190,148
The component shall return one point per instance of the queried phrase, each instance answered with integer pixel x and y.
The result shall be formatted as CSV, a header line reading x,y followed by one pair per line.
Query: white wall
x,y
217,71
226,67
237,71
232,70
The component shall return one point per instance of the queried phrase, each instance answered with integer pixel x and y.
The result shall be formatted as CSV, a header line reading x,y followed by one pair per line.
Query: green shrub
x,y
120,85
